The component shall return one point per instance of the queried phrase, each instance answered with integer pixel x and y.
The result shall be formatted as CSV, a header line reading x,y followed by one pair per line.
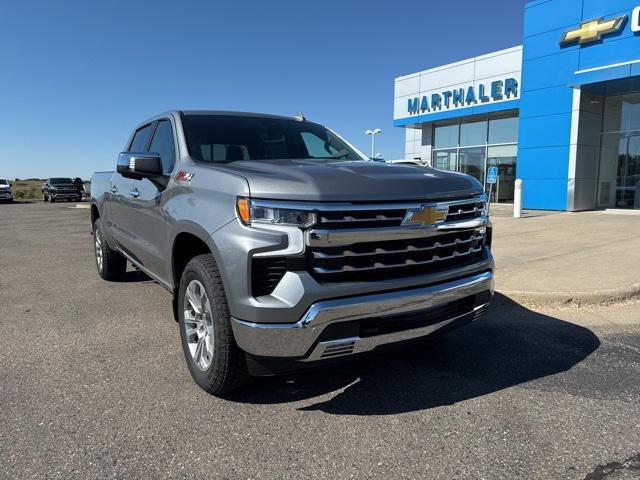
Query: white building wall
x,y
418,142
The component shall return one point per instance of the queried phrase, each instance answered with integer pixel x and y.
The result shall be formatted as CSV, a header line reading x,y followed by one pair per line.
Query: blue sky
x,y
77,76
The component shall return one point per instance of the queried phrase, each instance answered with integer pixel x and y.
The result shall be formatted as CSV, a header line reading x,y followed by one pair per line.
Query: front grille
x,y
373,244
361,219
395,259
389,259
466,211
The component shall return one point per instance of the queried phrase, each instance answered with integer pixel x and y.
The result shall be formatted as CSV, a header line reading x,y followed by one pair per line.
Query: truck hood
x,y
334,181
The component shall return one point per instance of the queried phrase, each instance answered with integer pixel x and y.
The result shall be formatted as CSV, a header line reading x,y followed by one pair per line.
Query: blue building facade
x,y
576,96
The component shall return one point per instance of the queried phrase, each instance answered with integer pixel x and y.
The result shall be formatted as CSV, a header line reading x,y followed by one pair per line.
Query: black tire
x,y
51,200
44,197
114,265
228,368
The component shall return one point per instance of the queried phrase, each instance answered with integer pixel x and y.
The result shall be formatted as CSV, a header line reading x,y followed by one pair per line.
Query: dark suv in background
x,y
60,189
5,191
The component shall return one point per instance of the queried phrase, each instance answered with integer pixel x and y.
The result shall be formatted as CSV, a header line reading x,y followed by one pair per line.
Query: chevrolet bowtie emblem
x,y
426,216
592,30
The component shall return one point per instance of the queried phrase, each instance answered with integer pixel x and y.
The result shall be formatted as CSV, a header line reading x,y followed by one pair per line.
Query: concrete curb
x,y
575,299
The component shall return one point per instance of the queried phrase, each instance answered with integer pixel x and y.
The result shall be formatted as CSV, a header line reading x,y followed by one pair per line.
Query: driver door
x,y
147,199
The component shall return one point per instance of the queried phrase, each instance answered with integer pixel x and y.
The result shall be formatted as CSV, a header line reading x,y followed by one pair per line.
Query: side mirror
x,y
139,165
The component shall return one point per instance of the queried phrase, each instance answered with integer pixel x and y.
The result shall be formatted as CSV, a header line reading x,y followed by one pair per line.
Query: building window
x,y
503,130
473,146
473,134
446,136
446,159
472,162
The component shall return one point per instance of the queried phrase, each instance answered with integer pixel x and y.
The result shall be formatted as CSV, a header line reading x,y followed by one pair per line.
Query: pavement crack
x,y
604,471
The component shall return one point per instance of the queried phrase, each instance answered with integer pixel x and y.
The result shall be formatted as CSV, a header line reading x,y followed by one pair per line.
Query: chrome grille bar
x,y
410,248
405,263
334,238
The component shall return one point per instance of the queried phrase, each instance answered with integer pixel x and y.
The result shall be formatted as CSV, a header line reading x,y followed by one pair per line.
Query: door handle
x,y
113,189
134,193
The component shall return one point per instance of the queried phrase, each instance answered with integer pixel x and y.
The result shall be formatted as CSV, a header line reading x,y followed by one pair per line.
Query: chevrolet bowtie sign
x,y
593,30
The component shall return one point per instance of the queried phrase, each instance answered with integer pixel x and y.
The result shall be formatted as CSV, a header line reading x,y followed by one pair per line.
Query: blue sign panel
x,y
492,175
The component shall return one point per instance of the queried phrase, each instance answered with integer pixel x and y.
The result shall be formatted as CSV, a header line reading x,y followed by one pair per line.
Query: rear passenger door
x,y
119,200
147,199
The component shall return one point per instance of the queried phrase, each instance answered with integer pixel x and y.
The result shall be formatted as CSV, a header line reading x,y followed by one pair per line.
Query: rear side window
x,y
163,145
140,139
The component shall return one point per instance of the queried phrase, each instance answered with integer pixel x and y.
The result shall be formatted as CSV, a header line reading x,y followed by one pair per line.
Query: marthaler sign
x,y
497,90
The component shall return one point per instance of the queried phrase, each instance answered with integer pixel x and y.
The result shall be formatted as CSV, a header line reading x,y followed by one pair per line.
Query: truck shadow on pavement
x,y
135,276
511,346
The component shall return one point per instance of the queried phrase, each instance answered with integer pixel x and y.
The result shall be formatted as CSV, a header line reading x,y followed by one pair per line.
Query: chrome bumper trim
x,y
354,345
294,340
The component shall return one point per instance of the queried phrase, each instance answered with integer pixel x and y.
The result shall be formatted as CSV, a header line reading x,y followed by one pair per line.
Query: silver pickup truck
x,y
284,246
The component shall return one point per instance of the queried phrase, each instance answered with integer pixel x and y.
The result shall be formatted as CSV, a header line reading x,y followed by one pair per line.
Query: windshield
x,y
226,138
3,181
56,181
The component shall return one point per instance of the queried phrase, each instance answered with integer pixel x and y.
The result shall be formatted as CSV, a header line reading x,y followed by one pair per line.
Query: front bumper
x,y
304,340
65,195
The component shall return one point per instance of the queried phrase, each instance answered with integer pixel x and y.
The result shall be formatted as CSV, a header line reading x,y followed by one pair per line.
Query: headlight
x,y
251,211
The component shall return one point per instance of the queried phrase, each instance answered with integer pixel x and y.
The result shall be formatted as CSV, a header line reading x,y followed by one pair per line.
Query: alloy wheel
x,y
99,254
198,325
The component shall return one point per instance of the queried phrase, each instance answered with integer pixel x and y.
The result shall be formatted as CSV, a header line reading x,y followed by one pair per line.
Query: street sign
x,y
492,175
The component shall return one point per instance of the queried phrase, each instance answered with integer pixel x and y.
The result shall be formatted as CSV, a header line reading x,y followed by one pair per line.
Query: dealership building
x,y
561,111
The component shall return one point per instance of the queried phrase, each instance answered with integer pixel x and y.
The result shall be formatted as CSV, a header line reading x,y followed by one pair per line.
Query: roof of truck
x,y
177,113
232,113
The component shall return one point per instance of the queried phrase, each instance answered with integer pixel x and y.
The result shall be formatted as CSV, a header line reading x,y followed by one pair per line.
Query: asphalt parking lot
x,y
93,385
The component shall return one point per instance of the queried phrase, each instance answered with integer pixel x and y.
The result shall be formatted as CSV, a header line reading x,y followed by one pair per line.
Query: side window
x,y
162,144
140,139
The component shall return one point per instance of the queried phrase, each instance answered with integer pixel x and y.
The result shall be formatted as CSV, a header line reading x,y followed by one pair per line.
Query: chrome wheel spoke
x,y
190,331
198,353
98,247
191,316
194,300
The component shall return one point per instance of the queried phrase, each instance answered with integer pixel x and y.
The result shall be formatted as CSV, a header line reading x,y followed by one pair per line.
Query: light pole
x,y
373,134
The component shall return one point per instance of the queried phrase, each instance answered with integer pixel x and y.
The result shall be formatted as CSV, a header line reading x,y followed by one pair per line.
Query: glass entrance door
x,y
619,173
628,175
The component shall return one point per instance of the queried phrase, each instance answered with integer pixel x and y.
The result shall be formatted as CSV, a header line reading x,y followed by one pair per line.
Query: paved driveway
x,y
93,385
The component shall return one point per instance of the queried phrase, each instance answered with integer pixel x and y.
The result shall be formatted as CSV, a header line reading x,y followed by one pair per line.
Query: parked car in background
x,y
60,188
5,191
79,185
285,247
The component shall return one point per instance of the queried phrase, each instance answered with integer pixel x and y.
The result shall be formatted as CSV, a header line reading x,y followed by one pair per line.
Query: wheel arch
x,y
189,241
95,214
